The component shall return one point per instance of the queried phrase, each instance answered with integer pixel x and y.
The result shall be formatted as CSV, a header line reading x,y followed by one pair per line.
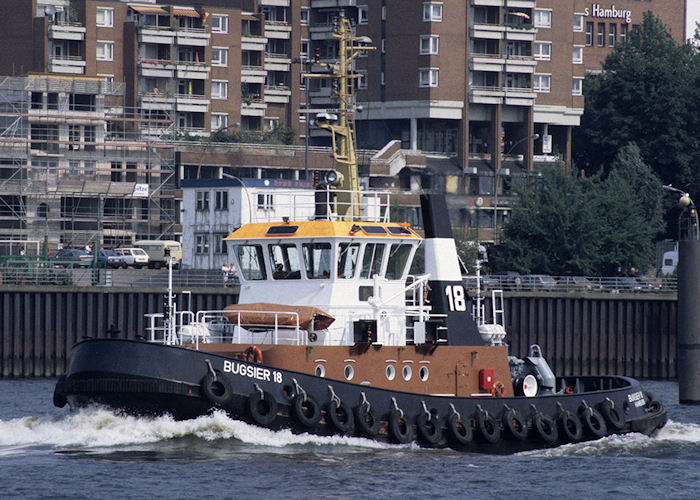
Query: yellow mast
x,y
343,131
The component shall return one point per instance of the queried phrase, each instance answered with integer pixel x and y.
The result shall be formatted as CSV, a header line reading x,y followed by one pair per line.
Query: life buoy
x,y
306,410
263,408
514,424
612,414
428,427
253,354
340,416
400,428
546,428
367,420
59,392
593,422
216,389
459,430
488,429
572,426
498,389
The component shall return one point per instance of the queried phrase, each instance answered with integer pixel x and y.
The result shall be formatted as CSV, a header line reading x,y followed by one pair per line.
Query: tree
x,y
567,225
648,92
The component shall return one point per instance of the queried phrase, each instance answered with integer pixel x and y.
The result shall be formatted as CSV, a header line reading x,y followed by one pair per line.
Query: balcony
x,y
192,69
158,68
325,4
67,31
487,3
485,95
519,96
253,107
278,29
196,37
486,62
191,102
277,62
155,34
74,65
253,74
277,94
274,3
522,4
520,64
522,33
488,31
156,100
321,32
254,43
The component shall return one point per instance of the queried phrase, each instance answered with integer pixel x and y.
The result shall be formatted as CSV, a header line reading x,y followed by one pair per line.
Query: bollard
x,y
689,322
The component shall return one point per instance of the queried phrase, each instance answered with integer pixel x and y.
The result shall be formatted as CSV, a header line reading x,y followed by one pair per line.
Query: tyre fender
x,y
216,389
340,416
262,407
428,427
400,428
306,410
367,420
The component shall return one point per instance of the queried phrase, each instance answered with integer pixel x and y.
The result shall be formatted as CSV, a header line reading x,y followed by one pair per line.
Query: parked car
x,y
624,284
649,284
538,282
109,258
509,280
487,282
135,257
577,283
71,257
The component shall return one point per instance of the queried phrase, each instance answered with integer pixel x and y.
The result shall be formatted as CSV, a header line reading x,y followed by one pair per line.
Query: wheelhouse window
x,y
372,260
284,259
317,260
347,260
398,258
251,262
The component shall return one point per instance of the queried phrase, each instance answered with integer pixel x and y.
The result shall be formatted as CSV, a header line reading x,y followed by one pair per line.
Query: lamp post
x,y
686,203
497,178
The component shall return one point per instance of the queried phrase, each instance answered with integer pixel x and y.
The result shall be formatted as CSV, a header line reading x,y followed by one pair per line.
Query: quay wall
x,y
587,334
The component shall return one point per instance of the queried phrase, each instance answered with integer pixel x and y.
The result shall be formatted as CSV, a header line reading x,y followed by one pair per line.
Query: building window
x,y
105,51
383,45
577,55
219,89
543,18
221,200
383,12
202,244
383,80
578,23
362,80
105,17
623,33
600,37
265,202
304,16
362,14
219,56
219,23
432,11
543,51
541,82
429,44
219,121
304,51
589,34
428,77
612,35
220,243
577,86
202,200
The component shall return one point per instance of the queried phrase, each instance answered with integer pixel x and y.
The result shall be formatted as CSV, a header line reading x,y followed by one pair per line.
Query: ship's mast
x,y
342,130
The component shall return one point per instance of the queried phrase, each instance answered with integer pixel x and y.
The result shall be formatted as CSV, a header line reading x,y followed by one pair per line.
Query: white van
x,y
135,257
669,262
158,250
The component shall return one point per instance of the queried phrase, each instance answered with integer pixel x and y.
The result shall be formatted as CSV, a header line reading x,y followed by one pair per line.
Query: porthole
x,y
349,372
390,372
423,373
407,372
320,371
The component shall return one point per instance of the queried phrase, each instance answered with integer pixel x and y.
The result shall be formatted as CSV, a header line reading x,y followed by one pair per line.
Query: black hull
x,y
145,378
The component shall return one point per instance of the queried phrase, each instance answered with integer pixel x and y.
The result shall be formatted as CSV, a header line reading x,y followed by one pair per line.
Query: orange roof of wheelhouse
x,y
322,229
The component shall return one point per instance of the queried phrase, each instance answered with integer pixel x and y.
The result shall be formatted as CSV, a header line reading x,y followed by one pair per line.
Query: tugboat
x,y
332,336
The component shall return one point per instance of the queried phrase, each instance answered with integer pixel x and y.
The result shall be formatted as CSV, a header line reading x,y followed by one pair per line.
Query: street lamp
x,y
497,178
686,203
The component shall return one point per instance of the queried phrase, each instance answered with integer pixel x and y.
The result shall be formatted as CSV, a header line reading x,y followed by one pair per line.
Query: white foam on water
x,y
98,428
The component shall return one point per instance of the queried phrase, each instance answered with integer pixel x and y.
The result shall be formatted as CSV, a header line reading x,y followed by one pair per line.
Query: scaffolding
x,y
79,167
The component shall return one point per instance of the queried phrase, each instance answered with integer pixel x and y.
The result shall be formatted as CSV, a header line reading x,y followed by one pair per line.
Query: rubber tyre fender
x,y
340,417
594,423
459,430
514,424
367,420
429,429
400,428
263,408
612,415
216,389
306,410
59,392
488,428
571,426
546,428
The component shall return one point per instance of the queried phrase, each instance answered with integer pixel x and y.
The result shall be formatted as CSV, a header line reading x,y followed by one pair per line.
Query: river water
x,y
93,453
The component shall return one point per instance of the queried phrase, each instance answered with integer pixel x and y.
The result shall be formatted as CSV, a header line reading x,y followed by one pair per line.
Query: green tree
x,y
648,92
